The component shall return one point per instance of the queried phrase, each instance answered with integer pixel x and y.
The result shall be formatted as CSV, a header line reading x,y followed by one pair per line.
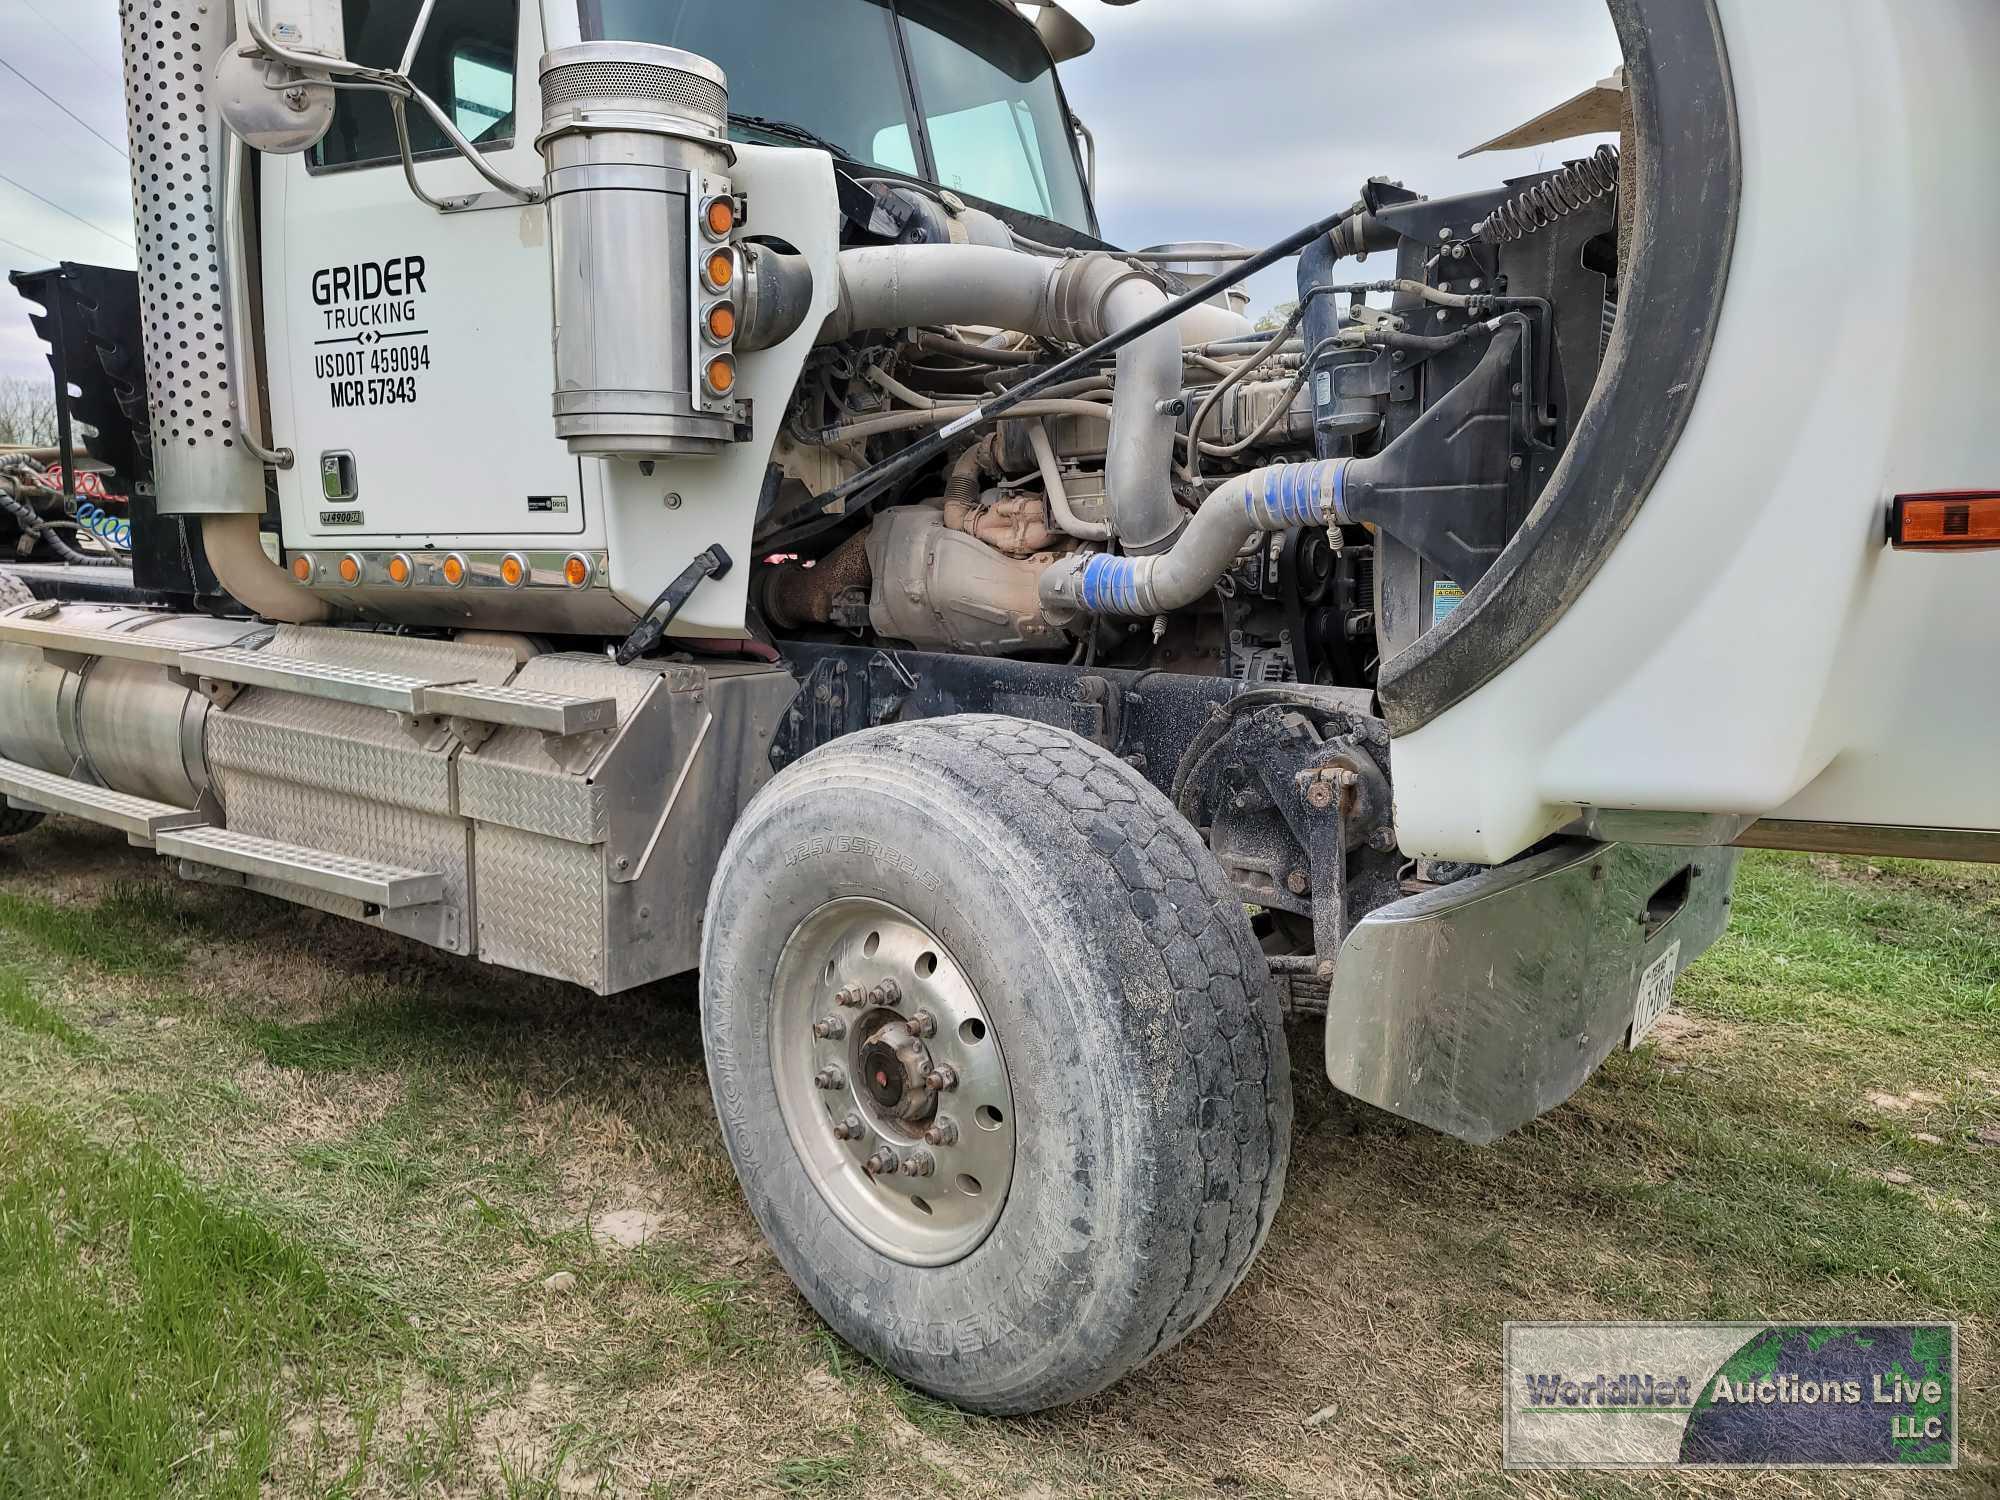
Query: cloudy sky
x,y
1215,119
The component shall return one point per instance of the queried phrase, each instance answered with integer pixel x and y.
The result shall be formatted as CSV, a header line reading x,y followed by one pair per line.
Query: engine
x,y
1172,505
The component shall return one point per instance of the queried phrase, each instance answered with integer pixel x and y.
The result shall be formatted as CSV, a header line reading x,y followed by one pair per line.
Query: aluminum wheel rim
x,y
866,1001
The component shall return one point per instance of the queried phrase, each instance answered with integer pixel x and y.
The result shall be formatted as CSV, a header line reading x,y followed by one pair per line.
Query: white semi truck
x,y
618,488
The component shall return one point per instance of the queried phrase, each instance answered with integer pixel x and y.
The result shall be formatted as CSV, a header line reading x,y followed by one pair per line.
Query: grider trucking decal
x,y
371,352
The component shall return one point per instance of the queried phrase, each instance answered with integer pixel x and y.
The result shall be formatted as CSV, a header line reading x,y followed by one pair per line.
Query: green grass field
x,y
291,1208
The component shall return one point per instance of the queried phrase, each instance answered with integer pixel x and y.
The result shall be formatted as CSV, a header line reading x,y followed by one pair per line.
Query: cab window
x,y
466,64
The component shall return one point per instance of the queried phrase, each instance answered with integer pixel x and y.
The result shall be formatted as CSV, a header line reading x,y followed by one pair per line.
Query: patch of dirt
x,y
1902,1104
626,1228
1678,1037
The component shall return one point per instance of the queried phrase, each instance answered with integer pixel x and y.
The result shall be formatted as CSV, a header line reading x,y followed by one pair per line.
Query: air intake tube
x,y
1454,456
1075,301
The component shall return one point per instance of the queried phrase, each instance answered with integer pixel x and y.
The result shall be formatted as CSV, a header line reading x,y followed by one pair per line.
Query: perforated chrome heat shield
x,y
180,155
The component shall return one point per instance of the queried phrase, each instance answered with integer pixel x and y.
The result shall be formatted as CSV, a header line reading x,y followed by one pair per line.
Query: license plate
x,y
1656,992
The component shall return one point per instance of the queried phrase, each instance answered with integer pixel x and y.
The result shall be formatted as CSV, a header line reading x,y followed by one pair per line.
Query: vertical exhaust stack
x,y
186,168
179,150
648,278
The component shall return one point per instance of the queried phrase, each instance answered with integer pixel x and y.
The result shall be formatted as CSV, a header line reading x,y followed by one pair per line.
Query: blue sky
x,y
1239,120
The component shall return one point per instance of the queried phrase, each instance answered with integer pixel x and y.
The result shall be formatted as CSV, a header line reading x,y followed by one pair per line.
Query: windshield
x,y
992,120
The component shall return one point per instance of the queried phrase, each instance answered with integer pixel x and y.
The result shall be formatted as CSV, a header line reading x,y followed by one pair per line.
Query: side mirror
x,y
280,106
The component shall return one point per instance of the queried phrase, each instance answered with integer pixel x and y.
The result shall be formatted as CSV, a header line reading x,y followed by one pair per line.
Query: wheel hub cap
x,y
892,1082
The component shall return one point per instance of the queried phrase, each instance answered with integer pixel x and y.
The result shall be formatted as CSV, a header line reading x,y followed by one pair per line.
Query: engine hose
x,y
878,476
1423,462
1556,197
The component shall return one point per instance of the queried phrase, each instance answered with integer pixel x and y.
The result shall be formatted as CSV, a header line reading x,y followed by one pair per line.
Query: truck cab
x,y
394,331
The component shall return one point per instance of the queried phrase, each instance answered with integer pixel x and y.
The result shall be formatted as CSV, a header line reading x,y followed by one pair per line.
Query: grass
x,y
145,1323
294,1208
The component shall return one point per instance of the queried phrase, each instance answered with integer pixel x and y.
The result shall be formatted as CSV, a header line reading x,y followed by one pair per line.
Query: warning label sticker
x,y
1445,597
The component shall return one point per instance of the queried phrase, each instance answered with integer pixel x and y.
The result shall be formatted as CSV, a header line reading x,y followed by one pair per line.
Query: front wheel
x,y
996,1056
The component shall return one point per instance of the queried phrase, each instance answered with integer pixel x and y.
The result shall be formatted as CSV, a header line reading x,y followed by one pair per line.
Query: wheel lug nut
x,y
888,992
851,996
918,1164
830,1029
940,1078
923,1023
828,1078
883,1163
849,1129
944,1133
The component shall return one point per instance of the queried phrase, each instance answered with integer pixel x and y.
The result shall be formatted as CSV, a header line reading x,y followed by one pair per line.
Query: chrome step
x,y
120,645
390,690
385,886
552,713
135,816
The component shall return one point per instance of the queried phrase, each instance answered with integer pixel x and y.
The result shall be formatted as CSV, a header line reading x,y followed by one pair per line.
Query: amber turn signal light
x,y
1946,521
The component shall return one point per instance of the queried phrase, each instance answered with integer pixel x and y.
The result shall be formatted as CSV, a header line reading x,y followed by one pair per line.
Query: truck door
x,y
410,365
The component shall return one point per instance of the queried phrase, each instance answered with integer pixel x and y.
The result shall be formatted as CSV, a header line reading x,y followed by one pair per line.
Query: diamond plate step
x,y
136,816
385,886
390,690
552,713
120,645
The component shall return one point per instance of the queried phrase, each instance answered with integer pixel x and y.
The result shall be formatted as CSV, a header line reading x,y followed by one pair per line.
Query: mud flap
x,y
1475,1007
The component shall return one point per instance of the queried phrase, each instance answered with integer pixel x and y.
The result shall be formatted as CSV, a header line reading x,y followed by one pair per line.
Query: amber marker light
x,y
513,570
719,218
721,322
399,569
454,570
302,568
1946,521
718,271
720,376
576,570
350,569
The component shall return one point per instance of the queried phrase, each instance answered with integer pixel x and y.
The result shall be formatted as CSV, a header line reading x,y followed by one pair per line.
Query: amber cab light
x,y
1946,521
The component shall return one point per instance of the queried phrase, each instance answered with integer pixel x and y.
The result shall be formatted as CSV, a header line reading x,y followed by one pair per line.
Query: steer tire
x,y
14,592
1141,1042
